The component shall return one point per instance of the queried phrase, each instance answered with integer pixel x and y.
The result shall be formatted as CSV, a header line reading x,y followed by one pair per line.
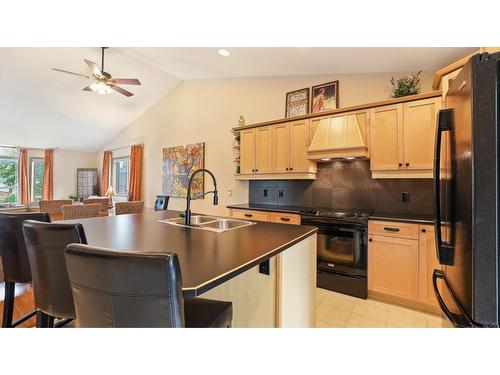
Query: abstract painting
x,y
178,164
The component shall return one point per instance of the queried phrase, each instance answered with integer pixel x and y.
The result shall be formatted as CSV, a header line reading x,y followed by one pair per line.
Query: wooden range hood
x,y
340,137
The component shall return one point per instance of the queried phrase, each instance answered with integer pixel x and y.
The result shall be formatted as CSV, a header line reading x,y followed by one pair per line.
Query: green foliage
x,y
72,196
8,172
403,86
11,198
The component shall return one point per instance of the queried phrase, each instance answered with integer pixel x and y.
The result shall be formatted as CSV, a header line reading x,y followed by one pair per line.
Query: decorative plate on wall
x,y
178,164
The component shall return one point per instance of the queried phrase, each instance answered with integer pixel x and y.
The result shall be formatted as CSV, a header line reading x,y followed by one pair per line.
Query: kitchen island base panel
x,y
285,298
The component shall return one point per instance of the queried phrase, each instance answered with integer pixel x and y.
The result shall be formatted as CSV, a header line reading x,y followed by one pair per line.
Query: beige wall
x,y
206,110
65,165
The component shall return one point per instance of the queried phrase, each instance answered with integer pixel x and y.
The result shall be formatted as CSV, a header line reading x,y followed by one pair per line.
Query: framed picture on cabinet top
x,y
325,97
297,103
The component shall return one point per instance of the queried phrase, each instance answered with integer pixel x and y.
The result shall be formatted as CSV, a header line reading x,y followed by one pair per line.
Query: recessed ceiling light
x,y
224,52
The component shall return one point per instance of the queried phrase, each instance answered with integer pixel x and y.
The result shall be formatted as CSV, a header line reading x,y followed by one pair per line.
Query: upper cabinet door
x,y
299,143
247,151
419,132
386,138
263,149
280,148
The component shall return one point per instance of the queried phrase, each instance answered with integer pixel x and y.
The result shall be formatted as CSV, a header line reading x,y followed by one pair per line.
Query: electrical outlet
x,y
230,192
265,192
280,193
405,197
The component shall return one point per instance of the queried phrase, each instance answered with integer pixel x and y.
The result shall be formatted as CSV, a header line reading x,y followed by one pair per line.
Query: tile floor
x,y
336,310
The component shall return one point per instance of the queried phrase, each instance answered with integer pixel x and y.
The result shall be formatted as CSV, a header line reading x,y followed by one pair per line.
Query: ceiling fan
x,y
103,83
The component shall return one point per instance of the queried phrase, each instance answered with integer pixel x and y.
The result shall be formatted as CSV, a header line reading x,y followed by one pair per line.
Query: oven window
x,y
337,247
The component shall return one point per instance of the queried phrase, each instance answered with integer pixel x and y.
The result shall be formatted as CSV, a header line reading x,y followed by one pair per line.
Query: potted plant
x,y
408,85
73,197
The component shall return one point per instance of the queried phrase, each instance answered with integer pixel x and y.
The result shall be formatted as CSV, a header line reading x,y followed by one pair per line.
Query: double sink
x,y
210,223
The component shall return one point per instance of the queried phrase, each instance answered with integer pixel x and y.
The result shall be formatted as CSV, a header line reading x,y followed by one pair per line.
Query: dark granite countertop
x,y
207,259
268,207
406,217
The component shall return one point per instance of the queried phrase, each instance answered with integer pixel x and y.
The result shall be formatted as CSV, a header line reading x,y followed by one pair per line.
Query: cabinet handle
x,y
390,229
291,169
370,240
285,218
287,169
423,231
248,215
256,170
400,164
407,164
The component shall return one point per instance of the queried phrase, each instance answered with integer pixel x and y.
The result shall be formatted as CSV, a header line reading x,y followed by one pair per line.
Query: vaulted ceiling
x,y
43,108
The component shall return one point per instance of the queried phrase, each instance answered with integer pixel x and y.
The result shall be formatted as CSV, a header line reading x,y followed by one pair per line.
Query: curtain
x,y
135,181
24,182
48,176
106,163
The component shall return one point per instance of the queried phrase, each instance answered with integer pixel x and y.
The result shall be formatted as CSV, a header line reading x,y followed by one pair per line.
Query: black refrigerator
x,y
466,196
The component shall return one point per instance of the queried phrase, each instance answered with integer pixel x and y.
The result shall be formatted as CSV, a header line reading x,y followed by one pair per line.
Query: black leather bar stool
x,y
161,202
45,244
15,263
123,289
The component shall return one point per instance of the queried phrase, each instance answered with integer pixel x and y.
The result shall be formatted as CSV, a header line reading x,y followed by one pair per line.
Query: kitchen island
x,y
225,266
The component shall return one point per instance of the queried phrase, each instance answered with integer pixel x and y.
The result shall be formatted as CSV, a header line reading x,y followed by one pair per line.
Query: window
x,y
120,172
36,178
8,175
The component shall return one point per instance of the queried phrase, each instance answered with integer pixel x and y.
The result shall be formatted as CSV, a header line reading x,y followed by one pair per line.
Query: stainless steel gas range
x,y
342,249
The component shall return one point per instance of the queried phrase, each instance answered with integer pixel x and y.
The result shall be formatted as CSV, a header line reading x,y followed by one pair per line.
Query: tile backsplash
x,y
347,185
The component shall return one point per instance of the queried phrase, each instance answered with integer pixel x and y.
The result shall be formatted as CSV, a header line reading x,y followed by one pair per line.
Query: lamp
x,y
110,193
101,88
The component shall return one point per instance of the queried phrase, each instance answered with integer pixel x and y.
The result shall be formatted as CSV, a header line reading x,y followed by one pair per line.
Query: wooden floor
x,y
24,301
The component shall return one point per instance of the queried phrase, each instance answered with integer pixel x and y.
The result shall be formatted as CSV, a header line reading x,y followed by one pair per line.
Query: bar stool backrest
x,y
122,289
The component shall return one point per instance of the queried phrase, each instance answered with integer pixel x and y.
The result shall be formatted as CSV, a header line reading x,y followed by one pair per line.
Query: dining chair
x,y
103,201
114,288
45,244
15,263
134,207
54,207
81,211
161,202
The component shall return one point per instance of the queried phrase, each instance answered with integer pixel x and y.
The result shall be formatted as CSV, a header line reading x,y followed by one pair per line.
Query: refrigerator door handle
x,y
439,274
444,251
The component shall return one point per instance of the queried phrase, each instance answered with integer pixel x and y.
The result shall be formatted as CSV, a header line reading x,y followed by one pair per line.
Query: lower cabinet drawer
x,y
251,215
283,218
393,229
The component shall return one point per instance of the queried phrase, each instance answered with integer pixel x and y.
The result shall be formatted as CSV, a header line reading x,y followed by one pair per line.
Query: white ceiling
x,y
43,108
206,63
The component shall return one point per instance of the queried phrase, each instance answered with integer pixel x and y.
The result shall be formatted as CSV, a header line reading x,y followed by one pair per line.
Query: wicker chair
x,y
81,211
103,201
53,207
129,207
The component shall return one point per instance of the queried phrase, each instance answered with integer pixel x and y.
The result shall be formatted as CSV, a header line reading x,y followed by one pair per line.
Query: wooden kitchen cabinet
x,y
263,149
299,143
270,216
402,139
386,132
247,151
393,266
401,261
255,150
280,154
428,263
419,132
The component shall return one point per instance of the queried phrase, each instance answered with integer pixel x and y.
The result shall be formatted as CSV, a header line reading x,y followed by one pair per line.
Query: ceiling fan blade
x,y
87,88
127,81
94,68
75,74
121,91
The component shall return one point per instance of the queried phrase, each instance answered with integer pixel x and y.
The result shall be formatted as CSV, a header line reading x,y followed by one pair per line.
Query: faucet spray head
x,y
216,198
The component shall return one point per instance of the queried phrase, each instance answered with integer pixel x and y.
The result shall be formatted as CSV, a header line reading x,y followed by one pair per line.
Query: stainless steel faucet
x,y
187,213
